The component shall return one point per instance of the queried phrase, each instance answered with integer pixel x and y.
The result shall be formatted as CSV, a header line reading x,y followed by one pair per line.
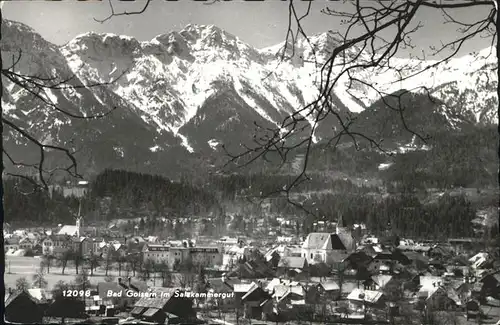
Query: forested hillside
x,y
116,194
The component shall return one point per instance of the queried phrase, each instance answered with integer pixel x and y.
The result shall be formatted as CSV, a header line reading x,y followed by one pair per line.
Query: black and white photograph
x,y
241,162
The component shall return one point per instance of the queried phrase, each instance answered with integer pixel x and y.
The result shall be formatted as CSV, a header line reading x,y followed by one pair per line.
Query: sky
x,y
260,24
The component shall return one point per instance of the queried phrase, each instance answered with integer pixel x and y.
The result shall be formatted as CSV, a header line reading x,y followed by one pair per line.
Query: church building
x,y
72,230
324,247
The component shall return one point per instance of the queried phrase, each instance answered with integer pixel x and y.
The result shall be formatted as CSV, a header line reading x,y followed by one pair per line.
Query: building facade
x,y
159,253
322,247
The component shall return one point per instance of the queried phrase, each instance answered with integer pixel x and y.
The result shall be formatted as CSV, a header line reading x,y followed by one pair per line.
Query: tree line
x,y
158,200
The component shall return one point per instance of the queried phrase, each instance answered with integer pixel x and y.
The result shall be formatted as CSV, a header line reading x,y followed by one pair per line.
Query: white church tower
x,y
78,226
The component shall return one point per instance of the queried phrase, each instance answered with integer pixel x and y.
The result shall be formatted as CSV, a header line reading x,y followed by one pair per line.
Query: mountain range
x,y
175,100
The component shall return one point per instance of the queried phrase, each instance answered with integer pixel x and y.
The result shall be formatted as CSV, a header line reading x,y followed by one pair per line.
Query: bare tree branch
x,y
124,13
38,86
372,18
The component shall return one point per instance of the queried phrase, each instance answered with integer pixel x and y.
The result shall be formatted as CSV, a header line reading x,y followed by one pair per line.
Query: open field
x,y
21,266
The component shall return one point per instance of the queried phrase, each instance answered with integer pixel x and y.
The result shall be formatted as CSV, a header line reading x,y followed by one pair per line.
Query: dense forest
x,y
128,191
120,194
342,181
25,207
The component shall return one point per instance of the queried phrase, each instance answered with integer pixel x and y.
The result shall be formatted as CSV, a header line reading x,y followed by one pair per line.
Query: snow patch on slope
x,y
213,143
51,97
185,142
251,102
7,107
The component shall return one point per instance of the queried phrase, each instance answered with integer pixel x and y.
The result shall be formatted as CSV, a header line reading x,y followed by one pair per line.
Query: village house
x,y
422,249
480,260
56,244
64,307
256,302
228,242
81,245
435,298
288,295
97,243
277,281
291,266
165,305
233,254
386,262
273,257
105,250
417,260
11,244
119,249
22,308
135,243
472,310
362,301
240,289
463,290
441,251
47,246
358,260
26,243
433,294
161,253
119,287
206,255
329,290
43,297
220,285
463,245
490,284
381,282
62,243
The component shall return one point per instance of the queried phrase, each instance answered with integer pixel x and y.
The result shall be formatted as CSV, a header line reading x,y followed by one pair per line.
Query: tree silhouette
x,y
77,259
108,259
165,273
39,279
59,287
365,25
64,258
47,261
134,261
38,87
382,30
22,284
93,262
82,281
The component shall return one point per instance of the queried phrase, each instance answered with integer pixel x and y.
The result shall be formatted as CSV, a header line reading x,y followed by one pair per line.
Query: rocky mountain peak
x,y
202,85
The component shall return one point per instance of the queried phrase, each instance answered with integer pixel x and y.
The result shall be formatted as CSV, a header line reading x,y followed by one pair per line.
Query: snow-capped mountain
x,y
466,85
201,87
116,140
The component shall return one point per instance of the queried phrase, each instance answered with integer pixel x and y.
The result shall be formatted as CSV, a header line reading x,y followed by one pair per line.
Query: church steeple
x,y
79,219
78,226
340,225
340,222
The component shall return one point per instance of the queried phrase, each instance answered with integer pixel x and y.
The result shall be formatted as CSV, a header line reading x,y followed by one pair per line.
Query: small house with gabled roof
x,y
22,308
165,304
